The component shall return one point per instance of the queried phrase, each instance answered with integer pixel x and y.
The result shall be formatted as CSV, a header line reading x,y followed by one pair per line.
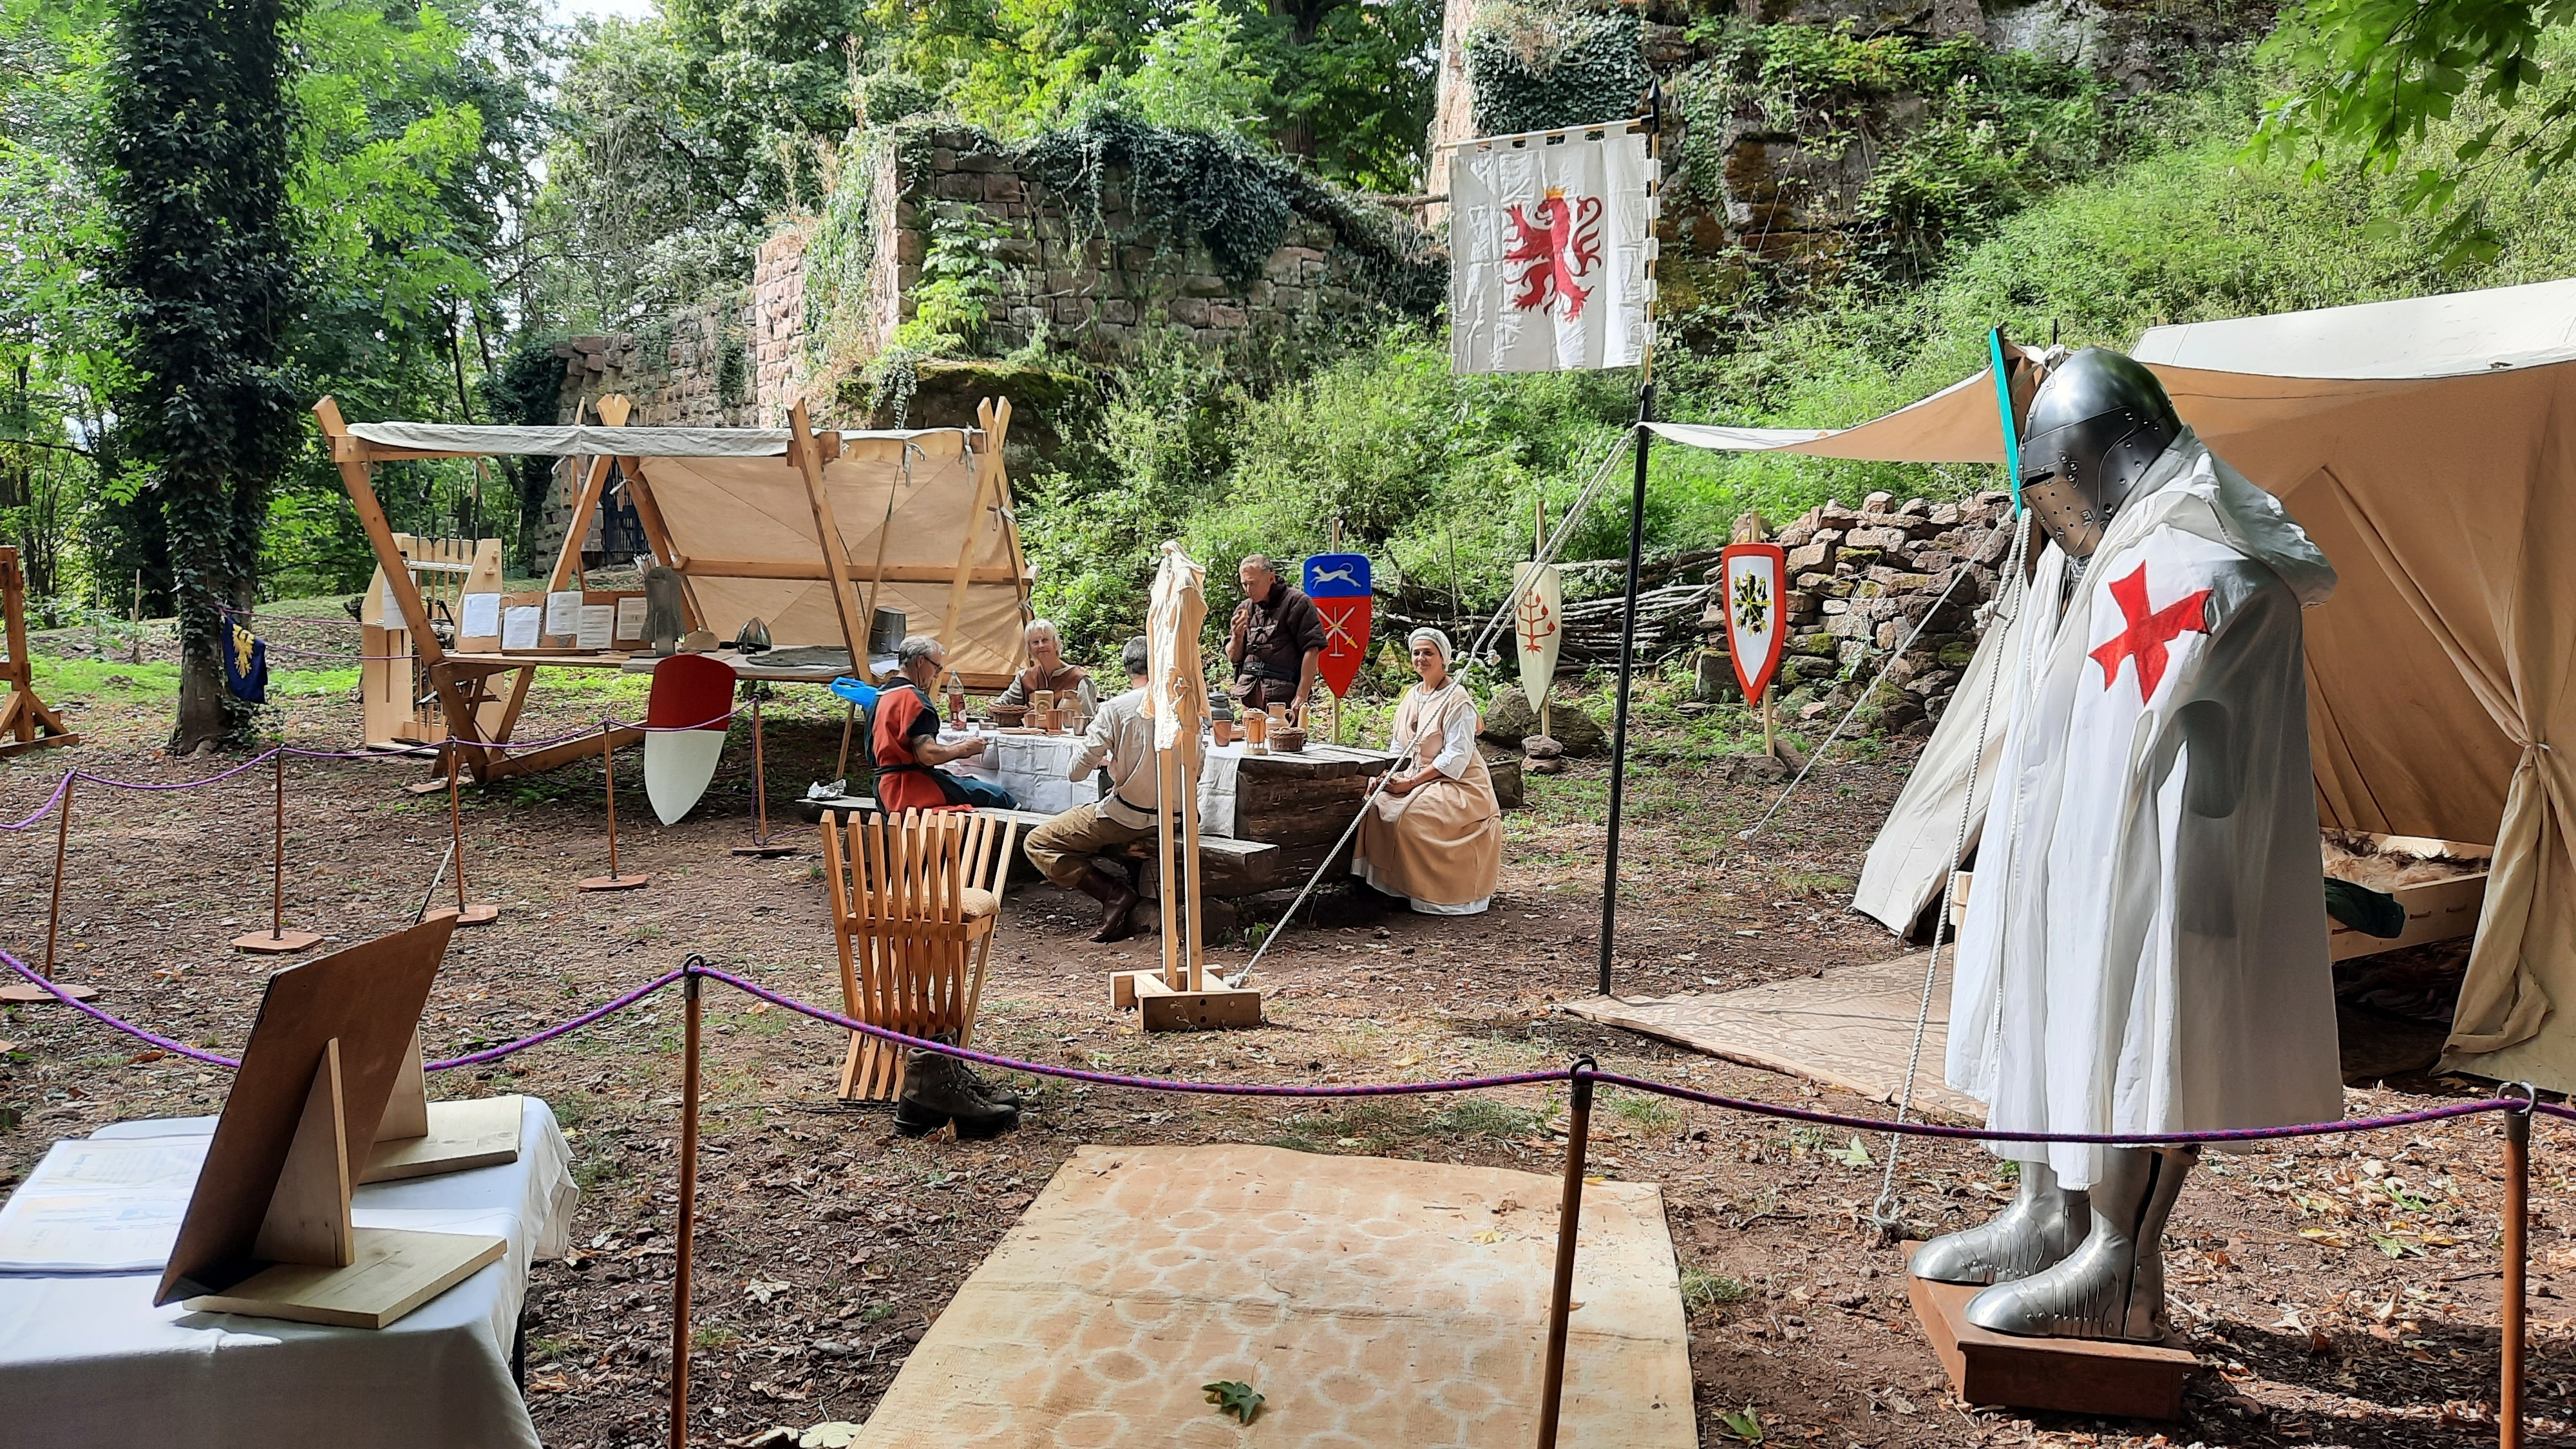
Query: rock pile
x,y
1860,580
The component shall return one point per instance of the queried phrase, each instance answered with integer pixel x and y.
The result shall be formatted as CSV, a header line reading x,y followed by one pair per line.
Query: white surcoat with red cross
x,y
2145,948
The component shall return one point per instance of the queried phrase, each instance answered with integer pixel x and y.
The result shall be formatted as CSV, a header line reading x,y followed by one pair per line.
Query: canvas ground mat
x,y
1372,1303
1850,1028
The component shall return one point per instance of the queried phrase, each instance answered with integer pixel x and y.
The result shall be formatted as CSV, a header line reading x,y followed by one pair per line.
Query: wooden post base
x,y
284,943
434,786
481,913
768,852
28,993
613,882
2072,1375
463,1135
40,742
1160,1008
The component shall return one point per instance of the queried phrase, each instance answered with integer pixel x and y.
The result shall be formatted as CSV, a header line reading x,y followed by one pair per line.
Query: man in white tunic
x,y
2145,949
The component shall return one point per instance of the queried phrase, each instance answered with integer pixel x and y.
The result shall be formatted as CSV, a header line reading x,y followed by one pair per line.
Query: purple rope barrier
x,y
1112,1079
45,809
1748,1106
494,1054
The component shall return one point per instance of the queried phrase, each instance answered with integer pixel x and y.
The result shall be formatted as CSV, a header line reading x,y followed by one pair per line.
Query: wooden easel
x,y
268,1230
1182,996
25,722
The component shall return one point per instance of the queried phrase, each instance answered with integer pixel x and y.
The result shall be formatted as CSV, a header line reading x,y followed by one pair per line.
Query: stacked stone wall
x,y
691,369
1860,581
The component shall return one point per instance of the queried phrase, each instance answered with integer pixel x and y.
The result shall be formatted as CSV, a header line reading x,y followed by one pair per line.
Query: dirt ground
x,y
2341,1292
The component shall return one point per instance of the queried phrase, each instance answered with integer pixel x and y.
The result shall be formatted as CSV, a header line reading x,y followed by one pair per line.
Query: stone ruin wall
x,y
674,371
1860,580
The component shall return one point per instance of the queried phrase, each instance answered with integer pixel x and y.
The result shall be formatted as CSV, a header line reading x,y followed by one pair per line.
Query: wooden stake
x,y
1194,945
279,941
761,845
688,1214
482,915
849,722
2517,1253
28,993
1569,1217
1770,729
611,881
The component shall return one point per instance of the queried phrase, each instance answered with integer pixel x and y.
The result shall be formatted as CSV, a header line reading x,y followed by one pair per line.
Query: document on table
x,y
101,1205
482,616
563,613
595,622
519,627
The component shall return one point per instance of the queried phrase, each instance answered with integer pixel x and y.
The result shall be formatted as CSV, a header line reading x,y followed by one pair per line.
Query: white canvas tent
x,y
2429,446
809,531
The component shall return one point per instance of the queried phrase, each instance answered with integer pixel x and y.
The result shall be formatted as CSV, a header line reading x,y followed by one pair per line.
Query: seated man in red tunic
x,y
905,740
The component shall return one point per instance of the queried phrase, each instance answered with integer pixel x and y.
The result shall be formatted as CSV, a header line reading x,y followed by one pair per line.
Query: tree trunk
x,y
214,560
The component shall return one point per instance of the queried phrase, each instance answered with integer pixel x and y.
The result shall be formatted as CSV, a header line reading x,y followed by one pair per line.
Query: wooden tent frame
x,y
463,685
25,722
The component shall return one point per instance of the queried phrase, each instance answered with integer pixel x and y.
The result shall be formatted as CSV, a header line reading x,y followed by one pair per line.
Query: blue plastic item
x,y
857,692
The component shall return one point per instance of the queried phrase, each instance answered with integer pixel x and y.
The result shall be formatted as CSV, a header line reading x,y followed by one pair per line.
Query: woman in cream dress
x,y
1434,835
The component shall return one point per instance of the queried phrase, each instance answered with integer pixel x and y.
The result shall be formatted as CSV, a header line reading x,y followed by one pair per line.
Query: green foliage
x,y
2375,79
1744,1425
1231,1397
1704,1291
204,266
1540,64
1200,75
961,276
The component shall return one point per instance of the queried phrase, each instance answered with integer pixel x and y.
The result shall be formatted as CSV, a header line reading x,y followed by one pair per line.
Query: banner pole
x,y
1628,610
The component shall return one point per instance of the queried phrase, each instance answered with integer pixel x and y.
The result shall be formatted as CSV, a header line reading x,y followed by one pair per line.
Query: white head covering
x,y
1438,640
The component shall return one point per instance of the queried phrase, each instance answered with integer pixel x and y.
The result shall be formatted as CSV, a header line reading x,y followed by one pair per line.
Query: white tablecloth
x,y
89,1360
1031,767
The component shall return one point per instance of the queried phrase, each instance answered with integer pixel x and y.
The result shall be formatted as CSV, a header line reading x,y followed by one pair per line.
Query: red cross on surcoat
x,y
2148,633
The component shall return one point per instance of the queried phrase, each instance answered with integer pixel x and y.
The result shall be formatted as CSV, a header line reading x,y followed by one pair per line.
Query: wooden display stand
x,y
1182,996
25,722
396,705
2071,1375
268,1229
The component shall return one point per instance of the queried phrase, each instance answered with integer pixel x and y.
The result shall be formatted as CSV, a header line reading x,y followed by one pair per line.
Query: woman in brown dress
x,y
1434,835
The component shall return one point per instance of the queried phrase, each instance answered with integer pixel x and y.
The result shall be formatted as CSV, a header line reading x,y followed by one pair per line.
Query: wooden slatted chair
x,y
914,902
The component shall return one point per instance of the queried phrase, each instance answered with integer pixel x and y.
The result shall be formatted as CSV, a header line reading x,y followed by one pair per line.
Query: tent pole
x,y
1619,714
1628,609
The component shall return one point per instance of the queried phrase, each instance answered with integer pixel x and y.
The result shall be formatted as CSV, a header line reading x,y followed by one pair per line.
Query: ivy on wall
x,y
1540,64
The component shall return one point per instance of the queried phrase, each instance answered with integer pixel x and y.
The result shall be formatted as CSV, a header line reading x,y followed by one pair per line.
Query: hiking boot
x,y
998,1096
1117,904
938,1090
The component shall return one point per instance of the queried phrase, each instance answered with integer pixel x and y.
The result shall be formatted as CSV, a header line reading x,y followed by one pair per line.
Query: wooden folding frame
x,y
25,722
463,685
914,902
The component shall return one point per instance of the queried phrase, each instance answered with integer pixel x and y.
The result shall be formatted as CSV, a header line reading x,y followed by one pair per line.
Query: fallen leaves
x,y
761,1290
1233,1397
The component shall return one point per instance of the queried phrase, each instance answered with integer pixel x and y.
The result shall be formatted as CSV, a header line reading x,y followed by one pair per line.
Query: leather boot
x,y
937,1091
2043,1225
2113,1285
1117,901
984,1088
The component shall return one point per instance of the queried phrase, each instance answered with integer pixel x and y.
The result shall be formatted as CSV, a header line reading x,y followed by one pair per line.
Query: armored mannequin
x,y
2145,947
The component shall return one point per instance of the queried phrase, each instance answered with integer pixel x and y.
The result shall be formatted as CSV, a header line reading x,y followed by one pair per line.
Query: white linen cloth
x,y
89,1360
2145,948
1032,767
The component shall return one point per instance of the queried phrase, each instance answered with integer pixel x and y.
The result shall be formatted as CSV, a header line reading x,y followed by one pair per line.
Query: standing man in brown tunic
x,y
1277,638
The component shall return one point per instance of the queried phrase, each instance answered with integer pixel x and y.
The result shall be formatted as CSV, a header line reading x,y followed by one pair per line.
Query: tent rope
x,y
1899,652
1882,1212
1475,653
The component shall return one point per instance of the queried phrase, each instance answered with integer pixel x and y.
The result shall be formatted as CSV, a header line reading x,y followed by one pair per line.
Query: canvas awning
x,y
2429,447
462,440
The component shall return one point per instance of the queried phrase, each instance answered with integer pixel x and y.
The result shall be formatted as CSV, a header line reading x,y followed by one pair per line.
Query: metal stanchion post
x,y
761,844
466,915
688,1208
1569,1217
2517,1250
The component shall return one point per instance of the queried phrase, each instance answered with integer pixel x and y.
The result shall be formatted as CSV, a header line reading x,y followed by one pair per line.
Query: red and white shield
x,y
686,716
1756,580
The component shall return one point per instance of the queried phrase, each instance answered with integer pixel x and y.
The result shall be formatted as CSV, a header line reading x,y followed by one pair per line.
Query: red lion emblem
x,y
1560,246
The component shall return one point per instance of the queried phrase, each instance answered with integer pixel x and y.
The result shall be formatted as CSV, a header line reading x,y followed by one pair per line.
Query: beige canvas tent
x,y
918,521
2429,446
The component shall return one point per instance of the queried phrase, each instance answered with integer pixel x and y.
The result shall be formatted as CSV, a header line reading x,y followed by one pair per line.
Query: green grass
x,y
107,681
1646,1113
1704,1291
1485,1117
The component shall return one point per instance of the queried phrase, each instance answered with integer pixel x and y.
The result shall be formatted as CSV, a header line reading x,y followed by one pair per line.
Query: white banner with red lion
x,y
1549,236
